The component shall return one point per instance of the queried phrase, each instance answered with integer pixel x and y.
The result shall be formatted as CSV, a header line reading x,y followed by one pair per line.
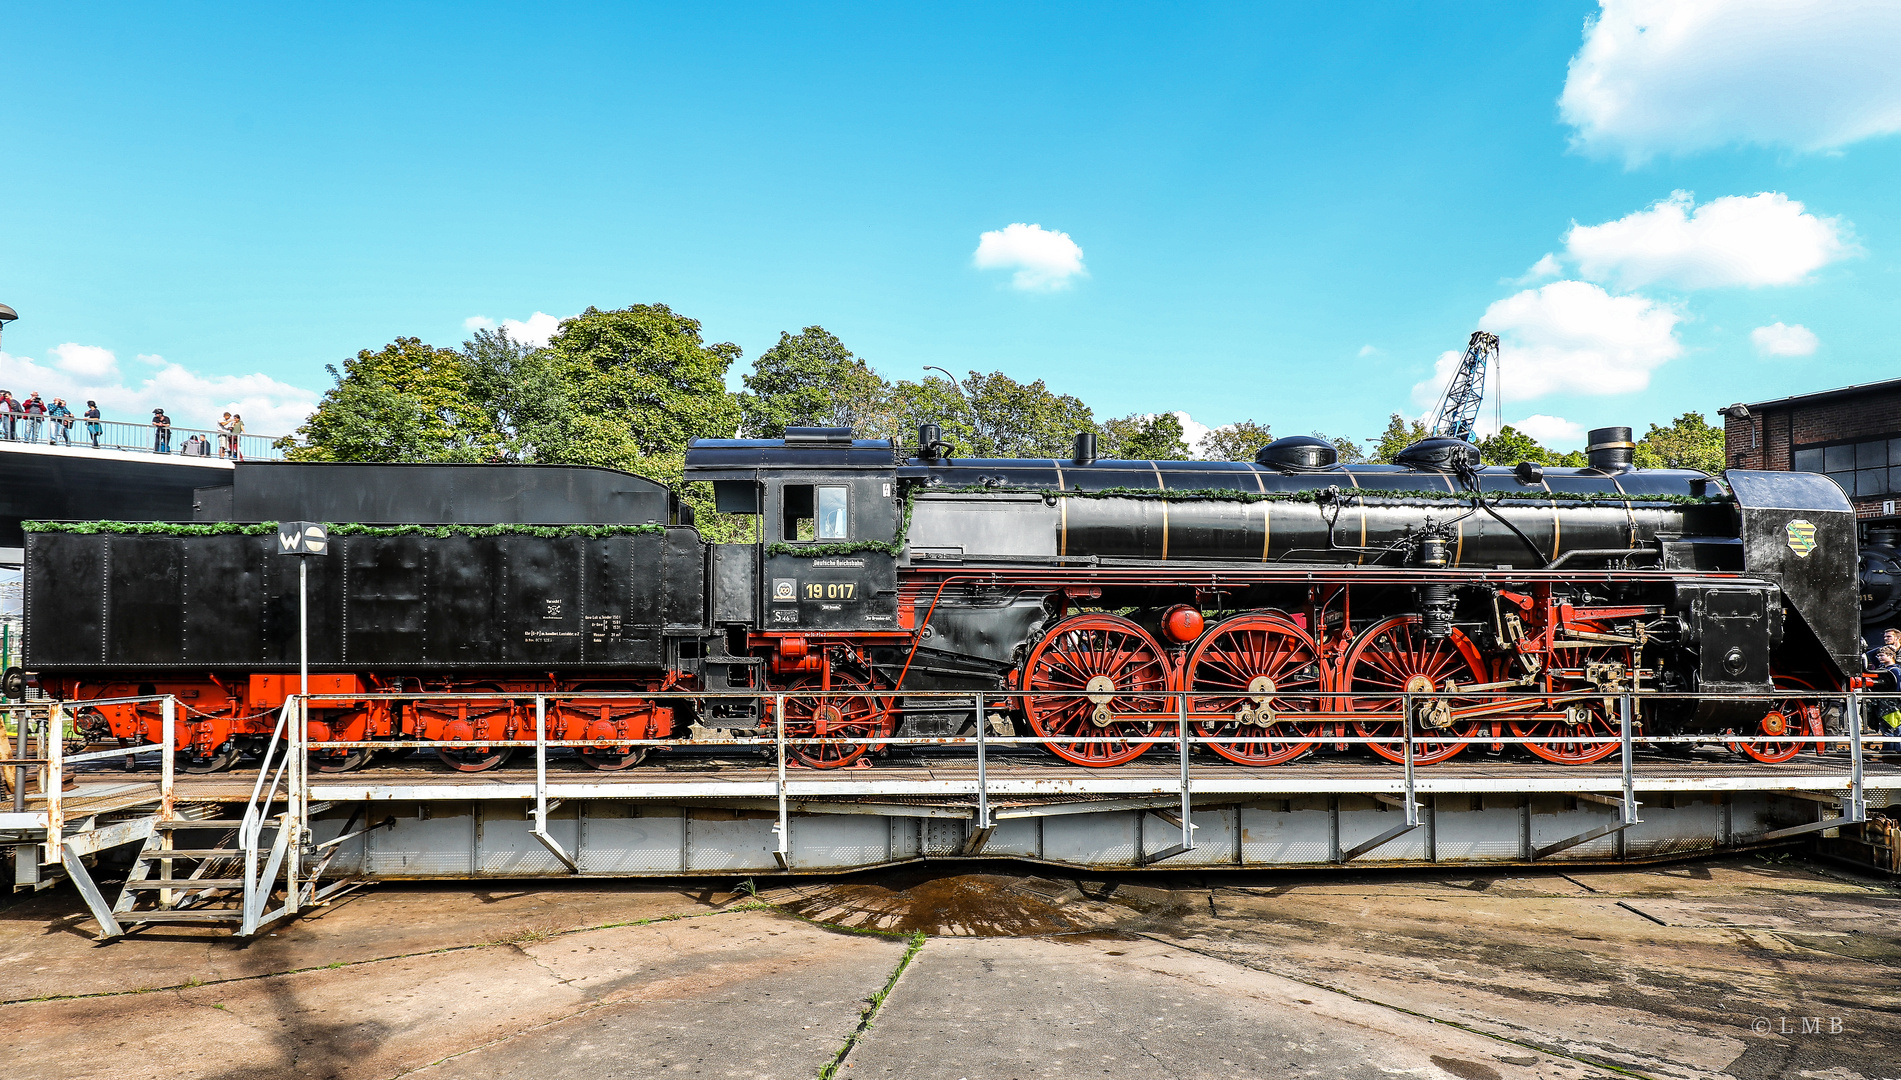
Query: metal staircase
x,y
228,871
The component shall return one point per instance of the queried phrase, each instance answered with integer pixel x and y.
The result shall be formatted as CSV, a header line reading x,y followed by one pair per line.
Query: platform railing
x,y
1173,715
1175,709
118,436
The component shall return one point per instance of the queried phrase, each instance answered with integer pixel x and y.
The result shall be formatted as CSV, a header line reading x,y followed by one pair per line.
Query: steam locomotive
x,y
1299,601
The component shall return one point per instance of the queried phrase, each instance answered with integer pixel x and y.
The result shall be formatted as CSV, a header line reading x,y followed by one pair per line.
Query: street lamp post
x,y
976,428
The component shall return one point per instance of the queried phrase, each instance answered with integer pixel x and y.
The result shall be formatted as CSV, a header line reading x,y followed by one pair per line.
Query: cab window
x,y
833,513
796,522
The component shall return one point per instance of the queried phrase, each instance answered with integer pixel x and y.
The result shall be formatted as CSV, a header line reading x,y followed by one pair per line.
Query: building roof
x,y
1826,395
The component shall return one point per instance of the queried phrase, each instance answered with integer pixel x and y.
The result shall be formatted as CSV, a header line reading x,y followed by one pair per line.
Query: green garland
x,y
266,528
150,528
546,531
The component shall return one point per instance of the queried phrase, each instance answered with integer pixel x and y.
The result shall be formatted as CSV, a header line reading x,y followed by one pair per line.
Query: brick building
x,y
1852,434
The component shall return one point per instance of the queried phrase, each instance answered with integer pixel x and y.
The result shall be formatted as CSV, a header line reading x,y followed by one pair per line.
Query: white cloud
x,y
1553,431
85,361
1547,267
1675,76
1044,260
1369,350
538,328
1569,336
1193,431
1777,339
80,373
1763,239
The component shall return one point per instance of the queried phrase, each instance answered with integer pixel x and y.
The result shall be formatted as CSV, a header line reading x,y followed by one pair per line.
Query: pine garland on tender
x,y
266,528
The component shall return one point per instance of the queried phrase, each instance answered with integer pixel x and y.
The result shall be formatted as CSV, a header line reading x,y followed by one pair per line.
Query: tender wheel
x,y
1395,656
474,758
835,717
1791,716
1243,666
334,761
612,759
1085,679
221,758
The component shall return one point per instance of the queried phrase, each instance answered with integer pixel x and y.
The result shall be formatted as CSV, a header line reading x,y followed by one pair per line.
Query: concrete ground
x,y
1748,967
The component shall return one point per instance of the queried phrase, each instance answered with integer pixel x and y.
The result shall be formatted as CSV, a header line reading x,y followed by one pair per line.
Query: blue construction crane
x,y
1459,408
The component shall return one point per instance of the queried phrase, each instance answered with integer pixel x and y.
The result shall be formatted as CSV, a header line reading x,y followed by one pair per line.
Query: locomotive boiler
x,y
1296,600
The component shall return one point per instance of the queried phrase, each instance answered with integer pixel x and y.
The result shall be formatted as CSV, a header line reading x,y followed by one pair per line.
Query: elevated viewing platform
x,y
127,472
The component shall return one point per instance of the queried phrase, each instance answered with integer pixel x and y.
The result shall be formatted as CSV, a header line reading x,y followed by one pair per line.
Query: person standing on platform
x,y
161,432
35,412
92,422
9,414
237,432
62,418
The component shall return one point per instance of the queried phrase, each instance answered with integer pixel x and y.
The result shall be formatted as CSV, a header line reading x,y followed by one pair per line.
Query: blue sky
x,y
1272,212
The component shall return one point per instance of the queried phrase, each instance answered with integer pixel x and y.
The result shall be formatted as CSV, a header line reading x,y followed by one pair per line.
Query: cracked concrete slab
x,y
1688,973
1027,1008
1704,969
48,943
738,994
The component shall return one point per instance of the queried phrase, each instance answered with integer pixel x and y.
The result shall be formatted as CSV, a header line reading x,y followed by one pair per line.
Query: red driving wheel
x,y
1395,656
1095,676
1256,674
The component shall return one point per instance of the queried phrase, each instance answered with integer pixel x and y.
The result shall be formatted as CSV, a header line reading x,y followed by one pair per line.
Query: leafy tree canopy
x,y
1234,442
1688,443
640,381
1509,446
1399,434
1137,437
987,415
407,402
813,380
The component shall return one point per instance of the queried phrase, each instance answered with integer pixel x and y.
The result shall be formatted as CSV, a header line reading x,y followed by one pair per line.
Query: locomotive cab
x,y
826,523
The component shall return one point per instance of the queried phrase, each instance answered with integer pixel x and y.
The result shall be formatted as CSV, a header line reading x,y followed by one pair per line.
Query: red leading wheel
x,y
830,714
1240,672
1095,677
1395,656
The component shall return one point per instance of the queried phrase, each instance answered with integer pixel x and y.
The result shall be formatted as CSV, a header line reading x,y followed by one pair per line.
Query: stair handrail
x,y
252,825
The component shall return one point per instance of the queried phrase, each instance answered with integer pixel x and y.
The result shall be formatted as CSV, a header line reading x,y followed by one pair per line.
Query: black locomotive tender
x,y
1295,597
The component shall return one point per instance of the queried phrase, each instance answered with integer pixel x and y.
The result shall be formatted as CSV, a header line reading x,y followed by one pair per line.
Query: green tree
x,y
1140,437
987,415
1399,434
640,382
1688,443
407,402
519,391
810,379
1511,446
1234,442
